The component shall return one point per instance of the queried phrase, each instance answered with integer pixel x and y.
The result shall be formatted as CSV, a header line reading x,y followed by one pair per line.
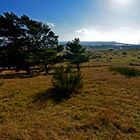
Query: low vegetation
x,y
66,82
129,72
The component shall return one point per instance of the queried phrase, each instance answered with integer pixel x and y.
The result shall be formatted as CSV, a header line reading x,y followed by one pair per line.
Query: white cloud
x,y
82,31
51,24
122,34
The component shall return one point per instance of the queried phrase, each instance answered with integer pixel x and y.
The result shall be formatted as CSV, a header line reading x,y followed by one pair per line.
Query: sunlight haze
x,y
89,20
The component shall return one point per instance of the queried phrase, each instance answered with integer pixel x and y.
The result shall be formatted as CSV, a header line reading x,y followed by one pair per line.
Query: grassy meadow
x,y
107,107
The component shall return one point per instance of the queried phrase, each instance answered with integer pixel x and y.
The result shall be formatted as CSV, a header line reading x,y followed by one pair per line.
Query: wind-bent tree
x,y
44,41
23,39
76,53
13,42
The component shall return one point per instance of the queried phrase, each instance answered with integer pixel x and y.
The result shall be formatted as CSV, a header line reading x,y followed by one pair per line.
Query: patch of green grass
x,y
130,72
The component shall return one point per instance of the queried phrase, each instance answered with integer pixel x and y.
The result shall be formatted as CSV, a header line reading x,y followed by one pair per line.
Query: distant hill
x,y
106,45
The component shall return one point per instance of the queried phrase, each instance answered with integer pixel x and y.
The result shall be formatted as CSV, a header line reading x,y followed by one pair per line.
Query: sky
x,y
89,20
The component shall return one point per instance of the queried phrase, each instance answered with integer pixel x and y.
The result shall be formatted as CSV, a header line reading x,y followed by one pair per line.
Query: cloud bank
x,y
122,34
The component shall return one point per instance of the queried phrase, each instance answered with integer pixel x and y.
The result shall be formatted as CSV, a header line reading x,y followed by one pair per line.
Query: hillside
x,y
105,45
106,108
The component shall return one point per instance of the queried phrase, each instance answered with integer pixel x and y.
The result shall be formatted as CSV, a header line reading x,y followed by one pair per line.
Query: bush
x,y
66,82
130,72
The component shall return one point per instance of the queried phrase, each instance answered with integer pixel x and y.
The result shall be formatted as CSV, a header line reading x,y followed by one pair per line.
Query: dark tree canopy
x,y
21,38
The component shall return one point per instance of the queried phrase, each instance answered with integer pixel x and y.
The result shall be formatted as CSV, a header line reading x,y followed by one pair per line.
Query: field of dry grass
x,y
107,108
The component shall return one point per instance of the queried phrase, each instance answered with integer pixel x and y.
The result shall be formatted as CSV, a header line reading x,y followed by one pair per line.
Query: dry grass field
x,y
107,108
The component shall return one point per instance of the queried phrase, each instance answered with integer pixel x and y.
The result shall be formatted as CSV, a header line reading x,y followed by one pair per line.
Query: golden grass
x,y
108,108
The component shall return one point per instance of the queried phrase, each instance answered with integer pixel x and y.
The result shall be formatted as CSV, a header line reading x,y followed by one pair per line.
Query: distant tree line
x,y
25,43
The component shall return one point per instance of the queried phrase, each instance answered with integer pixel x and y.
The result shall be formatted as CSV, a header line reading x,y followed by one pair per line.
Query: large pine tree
x,y
21,38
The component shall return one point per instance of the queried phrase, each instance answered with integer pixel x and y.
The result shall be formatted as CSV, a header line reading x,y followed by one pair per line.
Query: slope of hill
x,y
107,45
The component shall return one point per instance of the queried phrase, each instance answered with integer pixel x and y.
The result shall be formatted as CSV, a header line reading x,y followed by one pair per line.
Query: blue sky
x,y
90,20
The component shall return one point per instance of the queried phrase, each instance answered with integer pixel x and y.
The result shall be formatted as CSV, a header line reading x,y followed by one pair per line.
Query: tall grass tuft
x,y
66,82
129,72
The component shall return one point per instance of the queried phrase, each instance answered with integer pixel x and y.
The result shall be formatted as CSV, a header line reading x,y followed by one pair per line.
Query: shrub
x,y
130,72
66,82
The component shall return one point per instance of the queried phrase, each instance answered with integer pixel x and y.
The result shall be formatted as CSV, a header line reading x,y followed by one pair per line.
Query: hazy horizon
x,y
89,20
101,41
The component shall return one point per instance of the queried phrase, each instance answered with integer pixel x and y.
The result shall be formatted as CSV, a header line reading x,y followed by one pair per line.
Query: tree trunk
x,y
46,70
78,67
27,69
